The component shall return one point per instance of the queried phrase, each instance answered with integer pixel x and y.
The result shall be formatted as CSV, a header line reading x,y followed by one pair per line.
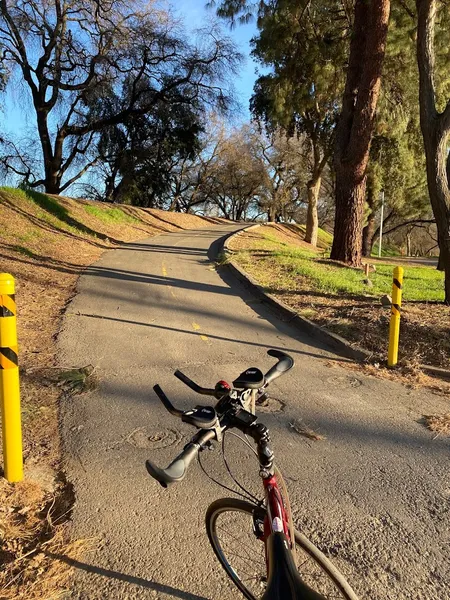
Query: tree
x,y
305,48
138,156
397,162
356,124
396,168
237,178
435,124
285,161
191,179
369,24
92,64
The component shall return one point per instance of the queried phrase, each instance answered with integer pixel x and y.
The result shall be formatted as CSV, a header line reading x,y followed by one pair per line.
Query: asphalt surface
x,y
374,493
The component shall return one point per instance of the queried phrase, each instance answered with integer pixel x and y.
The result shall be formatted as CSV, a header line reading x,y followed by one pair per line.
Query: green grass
x,y
420,283
385,250
52,211
110,215
50,205
23,250
324,239
13,192
31,235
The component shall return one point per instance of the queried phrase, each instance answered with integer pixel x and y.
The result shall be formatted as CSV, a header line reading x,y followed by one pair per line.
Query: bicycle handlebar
x,y
285,362
194,386
167,403
177,469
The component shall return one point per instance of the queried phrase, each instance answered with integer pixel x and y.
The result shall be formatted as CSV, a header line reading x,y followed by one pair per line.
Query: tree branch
x,y
411,222
79,174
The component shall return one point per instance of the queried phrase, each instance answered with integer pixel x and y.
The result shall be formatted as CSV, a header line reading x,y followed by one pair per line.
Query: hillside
x,y
45,243
341,299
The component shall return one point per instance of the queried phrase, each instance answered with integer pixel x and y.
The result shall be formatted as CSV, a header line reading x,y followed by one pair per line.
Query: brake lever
x,y
167,403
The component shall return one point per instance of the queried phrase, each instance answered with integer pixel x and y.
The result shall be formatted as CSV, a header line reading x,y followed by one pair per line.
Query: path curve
x,y
375,492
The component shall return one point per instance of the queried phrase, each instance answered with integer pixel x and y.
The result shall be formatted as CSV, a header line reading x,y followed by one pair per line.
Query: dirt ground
x,y
45,246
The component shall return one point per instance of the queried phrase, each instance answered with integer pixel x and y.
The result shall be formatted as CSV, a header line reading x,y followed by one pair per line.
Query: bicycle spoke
x,y
244,559
243,556
236,538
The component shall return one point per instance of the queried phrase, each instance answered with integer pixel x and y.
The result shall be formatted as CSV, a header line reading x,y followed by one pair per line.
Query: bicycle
x,y
267,522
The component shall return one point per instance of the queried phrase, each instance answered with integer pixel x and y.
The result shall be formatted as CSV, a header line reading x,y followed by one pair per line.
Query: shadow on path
x,y
210,335
125,275
131,579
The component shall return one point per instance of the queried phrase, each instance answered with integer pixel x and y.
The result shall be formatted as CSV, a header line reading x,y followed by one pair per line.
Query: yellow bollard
x,y
394,327
9,382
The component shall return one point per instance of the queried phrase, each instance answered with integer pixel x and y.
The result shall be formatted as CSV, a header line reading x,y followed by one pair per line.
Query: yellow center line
x,y
197,327
164,272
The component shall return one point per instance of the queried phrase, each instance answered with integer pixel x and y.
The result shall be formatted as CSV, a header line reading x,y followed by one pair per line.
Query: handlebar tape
x,y
177,469
285,362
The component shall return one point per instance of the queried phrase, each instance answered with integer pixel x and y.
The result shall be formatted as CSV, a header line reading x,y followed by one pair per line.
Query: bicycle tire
x,y
224,505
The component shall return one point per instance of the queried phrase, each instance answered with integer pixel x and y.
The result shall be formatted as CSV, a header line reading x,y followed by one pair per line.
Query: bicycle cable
x,y
222,485
248,495
229,470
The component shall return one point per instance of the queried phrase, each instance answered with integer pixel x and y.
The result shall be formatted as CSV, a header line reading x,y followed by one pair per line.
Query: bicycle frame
x,y
276,520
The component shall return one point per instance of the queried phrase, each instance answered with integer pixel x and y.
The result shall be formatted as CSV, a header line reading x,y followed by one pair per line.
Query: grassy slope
x,y
421,283
46,242
336,297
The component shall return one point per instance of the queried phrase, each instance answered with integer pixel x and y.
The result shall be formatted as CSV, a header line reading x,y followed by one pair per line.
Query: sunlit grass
x,y
420,283
110,215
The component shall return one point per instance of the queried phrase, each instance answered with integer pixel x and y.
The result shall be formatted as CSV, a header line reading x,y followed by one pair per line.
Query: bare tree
x,y
237,178
91,64
286,161
191,179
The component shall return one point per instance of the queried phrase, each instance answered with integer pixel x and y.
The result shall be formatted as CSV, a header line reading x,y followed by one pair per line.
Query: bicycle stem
x,y
260,435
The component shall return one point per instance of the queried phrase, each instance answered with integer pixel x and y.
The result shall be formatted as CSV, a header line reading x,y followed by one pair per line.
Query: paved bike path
x,y
375,491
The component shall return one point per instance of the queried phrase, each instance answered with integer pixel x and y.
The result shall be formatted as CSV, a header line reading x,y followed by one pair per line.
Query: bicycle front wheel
x,y
230,527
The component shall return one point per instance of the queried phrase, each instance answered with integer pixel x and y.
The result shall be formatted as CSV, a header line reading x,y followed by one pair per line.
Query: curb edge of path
x,y
304,325
288,315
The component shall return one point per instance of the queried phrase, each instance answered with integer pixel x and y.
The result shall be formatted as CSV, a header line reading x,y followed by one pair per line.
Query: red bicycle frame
x,y
276,519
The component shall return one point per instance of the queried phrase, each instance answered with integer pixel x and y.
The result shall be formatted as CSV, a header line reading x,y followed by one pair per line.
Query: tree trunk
x,y
408,243
312,219
350,197
175,205
271,214
52,182
436,132
438,189
368,235
355,126
369,229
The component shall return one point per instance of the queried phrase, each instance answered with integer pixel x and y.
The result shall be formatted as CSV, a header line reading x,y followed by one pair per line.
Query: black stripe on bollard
x,y
8,358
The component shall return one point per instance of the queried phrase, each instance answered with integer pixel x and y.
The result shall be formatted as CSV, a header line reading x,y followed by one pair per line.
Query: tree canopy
x,y
90,65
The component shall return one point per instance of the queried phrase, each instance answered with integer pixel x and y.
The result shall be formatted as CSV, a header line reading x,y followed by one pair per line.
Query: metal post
x,y
381,225
394,327
9,382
